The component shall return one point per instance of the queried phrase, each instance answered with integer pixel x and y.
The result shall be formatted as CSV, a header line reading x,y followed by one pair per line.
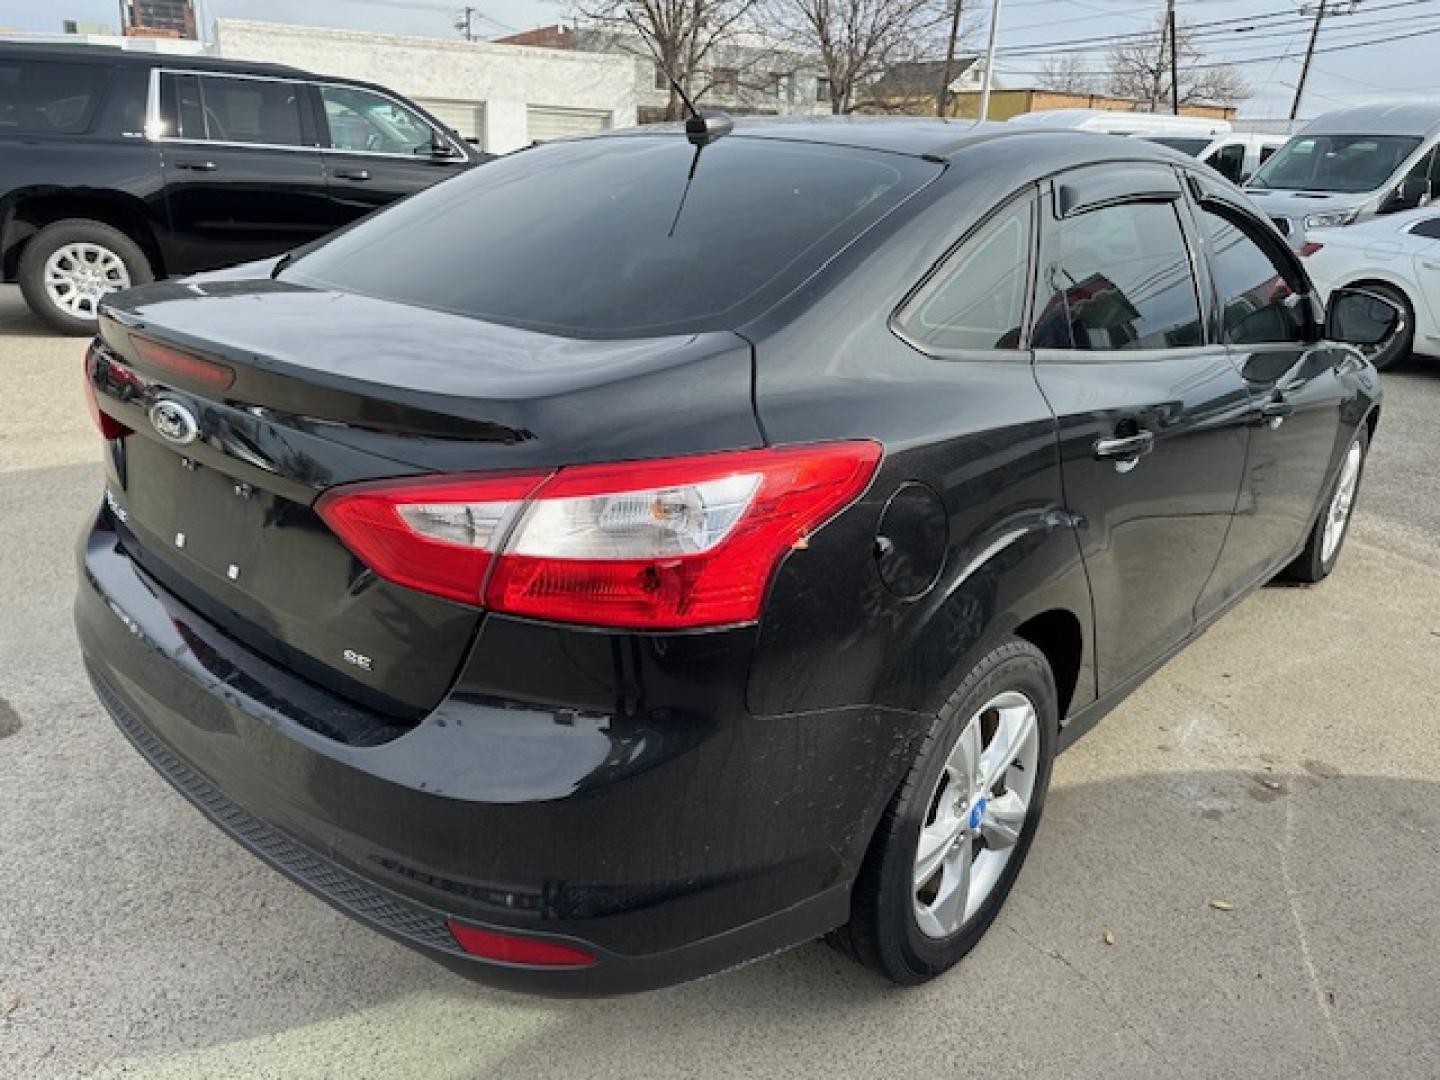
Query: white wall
x,y
507,78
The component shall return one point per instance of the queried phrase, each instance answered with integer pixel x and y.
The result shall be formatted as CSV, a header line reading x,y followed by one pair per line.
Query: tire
x,y
1399,350
1319,558
901,929
92,257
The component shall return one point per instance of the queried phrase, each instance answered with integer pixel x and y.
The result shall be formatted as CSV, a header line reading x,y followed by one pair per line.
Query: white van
x,y
1351,165
1109,122
1236,155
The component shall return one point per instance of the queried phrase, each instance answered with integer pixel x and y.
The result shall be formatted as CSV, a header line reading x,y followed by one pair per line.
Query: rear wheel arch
x,y
30,214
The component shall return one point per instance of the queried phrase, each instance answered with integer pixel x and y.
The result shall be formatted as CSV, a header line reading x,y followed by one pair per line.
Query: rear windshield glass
x,y
1335,162
38,97
1193,147
600,237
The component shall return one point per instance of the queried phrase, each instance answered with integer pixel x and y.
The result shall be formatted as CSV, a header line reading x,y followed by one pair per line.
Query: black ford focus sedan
x,y
658,549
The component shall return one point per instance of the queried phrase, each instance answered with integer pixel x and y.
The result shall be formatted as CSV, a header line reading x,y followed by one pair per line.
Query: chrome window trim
x,y
153,119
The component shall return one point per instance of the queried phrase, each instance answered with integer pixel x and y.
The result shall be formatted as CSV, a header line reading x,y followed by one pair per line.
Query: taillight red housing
x,y
109,427
675,543
1310,247
435,535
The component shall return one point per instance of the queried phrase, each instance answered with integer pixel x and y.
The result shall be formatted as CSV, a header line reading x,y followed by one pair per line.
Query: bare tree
x,y
857,41
1069,74
1139,68
686,34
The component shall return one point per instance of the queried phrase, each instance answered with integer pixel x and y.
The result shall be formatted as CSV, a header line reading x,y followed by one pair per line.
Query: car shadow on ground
x,y
1169,920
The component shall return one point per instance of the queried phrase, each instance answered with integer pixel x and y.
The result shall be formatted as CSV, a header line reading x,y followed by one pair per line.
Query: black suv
x,y
118,167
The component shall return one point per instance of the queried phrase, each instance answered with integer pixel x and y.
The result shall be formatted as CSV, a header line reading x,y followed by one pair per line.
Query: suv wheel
x,y
952,841
68,266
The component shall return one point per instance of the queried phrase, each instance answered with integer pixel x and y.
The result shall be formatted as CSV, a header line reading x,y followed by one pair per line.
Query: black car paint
x,y
680,802
190,206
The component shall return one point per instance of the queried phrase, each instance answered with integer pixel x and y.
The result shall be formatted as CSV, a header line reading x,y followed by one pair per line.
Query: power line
x,y
1205,31
1267,59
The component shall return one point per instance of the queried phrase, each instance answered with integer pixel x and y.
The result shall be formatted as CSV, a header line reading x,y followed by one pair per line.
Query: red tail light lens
x,y
669,544
210,374
509,949
437,536
1310,247
672,544
110,428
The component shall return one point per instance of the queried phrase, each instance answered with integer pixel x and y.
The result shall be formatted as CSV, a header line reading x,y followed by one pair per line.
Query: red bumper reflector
x,y
518,950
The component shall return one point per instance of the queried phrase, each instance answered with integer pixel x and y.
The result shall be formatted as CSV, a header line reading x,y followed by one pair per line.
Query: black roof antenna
x,y
700,128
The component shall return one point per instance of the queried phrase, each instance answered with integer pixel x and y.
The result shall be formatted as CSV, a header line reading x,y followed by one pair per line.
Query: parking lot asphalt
x,y
1257,830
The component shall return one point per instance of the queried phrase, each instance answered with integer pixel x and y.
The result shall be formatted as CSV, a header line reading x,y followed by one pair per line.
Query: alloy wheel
x,y
1337,515
976,813
78,275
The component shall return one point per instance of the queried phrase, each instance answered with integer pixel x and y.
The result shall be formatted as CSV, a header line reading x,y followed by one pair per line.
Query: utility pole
x,y
462,22
942,96
1159,71
986,75
1174,59
1309,53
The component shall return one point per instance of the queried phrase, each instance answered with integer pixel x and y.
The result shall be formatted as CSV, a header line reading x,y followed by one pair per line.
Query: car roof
x,y
937,139
1418,118
114,54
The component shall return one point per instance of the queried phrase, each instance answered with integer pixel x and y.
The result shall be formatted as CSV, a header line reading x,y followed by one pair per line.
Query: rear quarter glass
x,y
621,236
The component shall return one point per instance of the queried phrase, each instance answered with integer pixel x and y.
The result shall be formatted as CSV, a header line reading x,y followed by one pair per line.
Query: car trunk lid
x,y
327,389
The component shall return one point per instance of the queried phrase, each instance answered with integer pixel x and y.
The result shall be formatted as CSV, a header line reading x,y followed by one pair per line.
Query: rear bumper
x,y
635,810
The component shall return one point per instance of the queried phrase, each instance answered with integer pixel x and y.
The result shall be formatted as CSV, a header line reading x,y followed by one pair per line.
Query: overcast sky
x,y
1273,46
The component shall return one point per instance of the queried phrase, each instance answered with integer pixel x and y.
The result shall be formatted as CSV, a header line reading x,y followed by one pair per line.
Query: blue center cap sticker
x,y
977,813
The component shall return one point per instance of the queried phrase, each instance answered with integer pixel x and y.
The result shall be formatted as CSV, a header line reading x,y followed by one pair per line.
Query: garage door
x,y
466,117
548,122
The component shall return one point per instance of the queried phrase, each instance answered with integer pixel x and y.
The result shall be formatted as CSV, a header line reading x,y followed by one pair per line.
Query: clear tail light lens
x,y
669,544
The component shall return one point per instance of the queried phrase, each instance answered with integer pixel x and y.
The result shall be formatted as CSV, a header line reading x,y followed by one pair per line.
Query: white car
x,y
1396,255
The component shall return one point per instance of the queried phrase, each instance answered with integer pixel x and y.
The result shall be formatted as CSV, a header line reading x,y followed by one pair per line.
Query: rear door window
x,y
977,300
621,236
260,112
49,98
1118,278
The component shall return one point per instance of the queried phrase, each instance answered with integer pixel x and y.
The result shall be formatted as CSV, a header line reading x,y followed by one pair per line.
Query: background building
x,y
501,96
159,18
749,76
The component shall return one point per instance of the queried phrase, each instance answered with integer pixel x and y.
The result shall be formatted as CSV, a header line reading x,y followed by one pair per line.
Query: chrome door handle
x,y
196,166
1125,450
1430,265
353,174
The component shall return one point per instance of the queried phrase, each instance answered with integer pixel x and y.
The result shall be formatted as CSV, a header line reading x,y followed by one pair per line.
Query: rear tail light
x,y
510,949
1310,247
437,536
210,374
110,428
670,544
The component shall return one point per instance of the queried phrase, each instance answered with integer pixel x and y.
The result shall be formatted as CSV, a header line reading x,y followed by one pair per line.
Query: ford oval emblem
x,y
174,422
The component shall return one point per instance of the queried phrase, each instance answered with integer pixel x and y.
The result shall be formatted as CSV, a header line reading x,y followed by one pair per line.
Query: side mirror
x,y
1413,190
1358,317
